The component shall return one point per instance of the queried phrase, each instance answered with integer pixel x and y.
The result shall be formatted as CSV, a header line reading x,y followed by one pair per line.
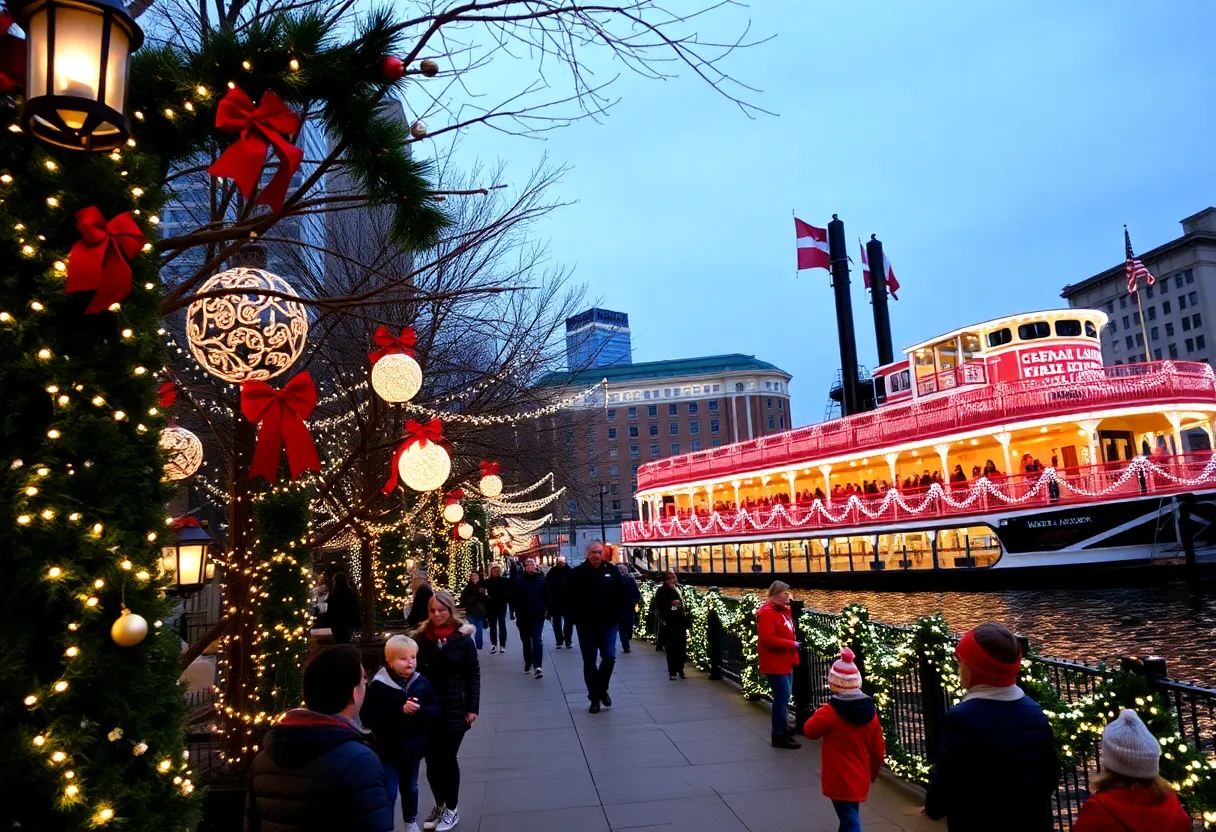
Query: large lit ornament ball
x,y
130,629
246,336
183,452
396,377
453,512
465,531
490,485
424,467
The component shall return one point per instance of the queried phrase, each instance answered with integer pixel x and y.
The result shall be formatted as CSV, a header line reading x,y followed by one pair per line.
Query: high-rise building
x,y
597,338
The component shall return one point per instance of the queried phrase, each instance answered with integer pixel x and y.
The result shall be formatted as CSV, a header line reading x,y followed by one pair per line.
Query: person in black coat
x,y
558,580
595,596
473,599
996,767
668,610
343,610
447,657
316,771
629,606
421,599
498,597
530,600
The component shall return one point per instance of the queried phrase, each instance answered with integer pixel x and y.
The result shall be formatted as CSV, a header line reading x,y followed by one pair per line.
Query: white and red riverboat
x,y
1004,453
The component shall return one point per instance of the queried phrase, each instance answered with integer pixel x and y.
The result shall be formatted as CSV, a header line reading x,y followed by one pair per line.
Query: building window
x,y
1139,339
1152,334
633,413
612,470
1173,348
1149,292
673,428
1152,313
1169,328
781,404
675,448
1186,324
1193,297
713,425
1116,346
1136,318
1038,329
694,426
781,422
696,445
1190,277
654,430
1110,306
772,423
652,411
692,408
1114,325
738,387
613,453
615,488
1129,342
654,449
1127,322
612,414
633,432
1181,302
594,471
612,433
1165,307
1123,302
713,404
635,452
616,505
1157,354
673,409
1201,343
1178,280
769,404
1196,321
717,443
1190,344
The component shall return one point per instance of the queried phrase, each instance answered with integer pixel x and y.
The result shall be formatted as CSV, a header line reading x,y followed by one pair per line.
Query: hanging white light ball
x,y
183,452
453,513
490,485
465,531
396,377
246,336
424,467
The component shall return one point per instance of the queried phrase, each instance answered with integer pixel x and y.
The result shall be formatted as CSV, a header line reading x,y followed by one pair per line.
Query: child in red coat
x,y
853,747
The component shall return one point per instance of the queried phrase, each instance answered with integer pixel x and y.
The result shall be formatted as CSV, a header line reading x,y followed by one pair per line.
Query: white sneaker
x,y
502,649
433,819
451,817
494,649
412,826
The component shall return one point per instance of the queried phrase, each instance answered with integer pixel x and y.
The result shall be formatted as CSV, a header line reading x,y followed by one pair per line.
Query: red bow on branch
x,y
183,522
166,395
267,126
416,433
12,56
453,496
387,344
280,415
100,260
489,469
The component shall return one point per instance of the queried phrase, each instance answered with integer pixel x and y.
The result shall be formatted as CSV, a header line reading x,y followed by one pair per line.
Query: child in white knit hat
x,y
1130,795
853,746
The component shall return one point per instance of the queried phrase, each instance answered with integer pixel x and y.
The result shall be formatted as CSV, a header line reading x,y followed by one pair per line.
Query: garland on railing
x,y
893,653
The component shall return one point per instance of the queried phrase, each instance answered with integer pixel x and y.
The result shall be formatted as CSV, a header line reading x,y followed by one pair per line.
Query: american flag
x,y
1135,269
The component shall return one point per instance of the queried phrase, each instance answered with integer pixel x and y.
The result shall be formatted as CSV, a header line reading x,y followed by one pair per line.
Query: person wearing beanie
x,y
777,649
996,765
853,746
1130,795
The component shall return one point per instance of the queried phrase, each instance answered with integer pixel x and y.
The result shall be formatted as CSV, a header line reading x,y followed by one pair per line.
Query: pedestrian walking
x,y
852,749
1130,795
316,771
473,599
669,609
777,645
343,610
447,657
629,606
996,764
420,602
530,600
559,584
498,598
595,596
318,599
398,709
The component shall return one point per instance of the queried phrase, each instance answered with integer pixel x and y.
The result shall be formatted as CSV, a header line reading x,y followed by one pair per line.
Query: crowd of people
x,y
356,748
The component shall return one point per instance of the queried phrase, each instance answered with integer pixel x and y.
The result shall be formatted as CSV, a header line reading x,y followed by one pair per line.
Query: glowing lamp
x,y
465,531
186,559
78,54
490,485
453,512
396,377
183,452
424,467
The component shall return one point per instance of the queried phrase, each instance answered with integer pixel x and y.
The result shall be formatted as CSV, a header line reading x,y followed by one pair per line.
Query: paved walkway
x,y
666,757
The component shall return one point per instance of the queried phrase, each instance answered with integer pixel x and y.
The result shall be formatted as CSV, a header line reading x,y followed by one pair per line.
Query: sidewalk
x,y
666,757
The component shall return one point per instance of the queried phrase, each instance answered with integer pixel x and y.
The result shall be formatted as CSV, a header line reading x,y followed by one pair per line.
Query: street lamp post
x,y
186,558
603,533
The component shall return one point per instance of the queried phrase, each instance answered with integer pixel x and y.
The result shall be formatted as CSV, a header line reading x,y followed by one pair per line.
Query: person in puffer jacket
x,y
316,771
853,745
1130,795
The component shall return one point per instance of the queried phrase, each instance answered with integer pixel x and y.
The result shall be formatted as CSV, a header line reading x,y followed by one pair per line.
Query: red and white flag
x,y
812,246
892,283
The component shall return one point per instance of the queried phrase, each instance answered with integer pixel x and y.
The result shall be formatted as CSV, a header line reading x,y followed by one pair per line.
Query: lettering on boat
x,y
1055,522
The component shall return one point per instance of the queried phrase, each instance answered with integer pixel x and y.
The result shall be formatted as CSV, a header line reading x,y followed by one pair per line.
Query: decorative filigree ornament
x,y
183,452
246,336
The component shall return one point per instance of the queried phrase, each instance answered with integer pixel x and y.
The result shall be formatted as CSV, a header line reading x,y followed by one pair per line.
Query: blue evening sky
x,y
996,149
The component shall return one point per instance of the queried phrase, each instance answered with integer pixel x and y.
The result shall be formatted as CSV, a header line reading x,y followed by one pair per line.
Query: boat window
x,y
1091,331
1068,329
999,336
1029,332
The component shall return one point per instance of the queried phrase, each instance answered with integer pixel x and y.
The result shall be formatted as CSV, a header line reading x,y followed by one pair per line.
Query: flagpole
x,y
1143,325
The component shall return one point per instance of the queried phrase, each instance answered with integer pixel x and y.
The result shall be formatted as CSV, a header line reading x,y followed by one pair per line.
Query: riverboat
x,y
1002,454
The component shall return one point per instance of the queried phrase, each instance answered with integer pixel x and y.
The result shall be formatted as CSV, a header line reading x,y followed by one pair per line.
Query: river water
x,y
1081,625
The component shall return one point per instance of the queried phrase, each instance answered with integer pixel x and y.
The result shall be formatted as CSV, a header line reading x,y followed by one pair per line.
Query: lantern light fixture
x,y
186,559
78,57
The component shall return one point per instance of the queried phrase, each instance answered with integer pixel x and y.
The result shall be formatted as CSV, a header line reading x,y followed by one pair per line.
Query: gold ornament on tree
x,y
130,629
418,129
246,335
183,452
396,376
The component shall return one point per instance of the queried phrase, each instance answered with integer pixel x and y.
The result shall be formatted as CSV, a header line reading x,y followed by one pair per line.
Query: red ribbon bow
x,y
12,56
453,496
388,344
416,433
100,260
489,469
280,415
183,522
166,394
267,126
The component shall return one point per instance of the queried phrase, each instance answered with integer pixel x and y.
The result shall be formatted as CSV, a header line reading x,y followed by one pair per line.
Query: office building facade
x,y
597,338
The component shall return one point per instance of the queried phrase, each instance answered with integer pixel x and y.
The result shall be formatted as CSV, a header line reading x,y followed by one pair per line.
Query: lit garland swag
x,y
1077,725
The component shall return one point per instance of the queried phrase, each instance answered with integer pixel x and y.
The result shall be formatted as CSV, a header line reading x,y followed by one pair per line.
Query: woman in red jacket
x,y
778,648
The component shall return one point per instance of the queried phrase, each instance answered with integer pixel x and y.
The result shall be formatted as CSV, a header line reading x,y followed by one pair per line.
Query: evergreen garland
x,y
392,576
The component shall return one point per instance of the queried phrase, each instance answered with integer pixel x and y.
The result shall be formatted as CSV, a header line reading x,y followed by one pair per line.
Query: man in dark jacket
x,y
558,580
595,597
629,605
530,600
997,766
316,771
422,597
498,599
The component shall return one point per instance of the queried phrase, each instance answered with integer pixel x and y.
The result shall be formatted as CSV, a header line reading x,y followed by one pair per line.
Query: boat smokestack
x,y
878,290
850,393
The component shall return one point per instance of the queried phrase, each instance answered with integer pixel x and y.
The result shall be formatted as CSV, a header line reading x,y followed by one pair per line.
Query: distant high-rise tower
x,y
597,338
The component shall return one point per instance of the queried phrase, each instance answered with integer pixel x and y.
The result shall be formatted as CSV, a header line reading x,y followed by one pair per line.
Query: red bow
x,y
280,416
388,344
489,469
12,56
452,497
267,126
416,433
183,522
166,394
100,260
